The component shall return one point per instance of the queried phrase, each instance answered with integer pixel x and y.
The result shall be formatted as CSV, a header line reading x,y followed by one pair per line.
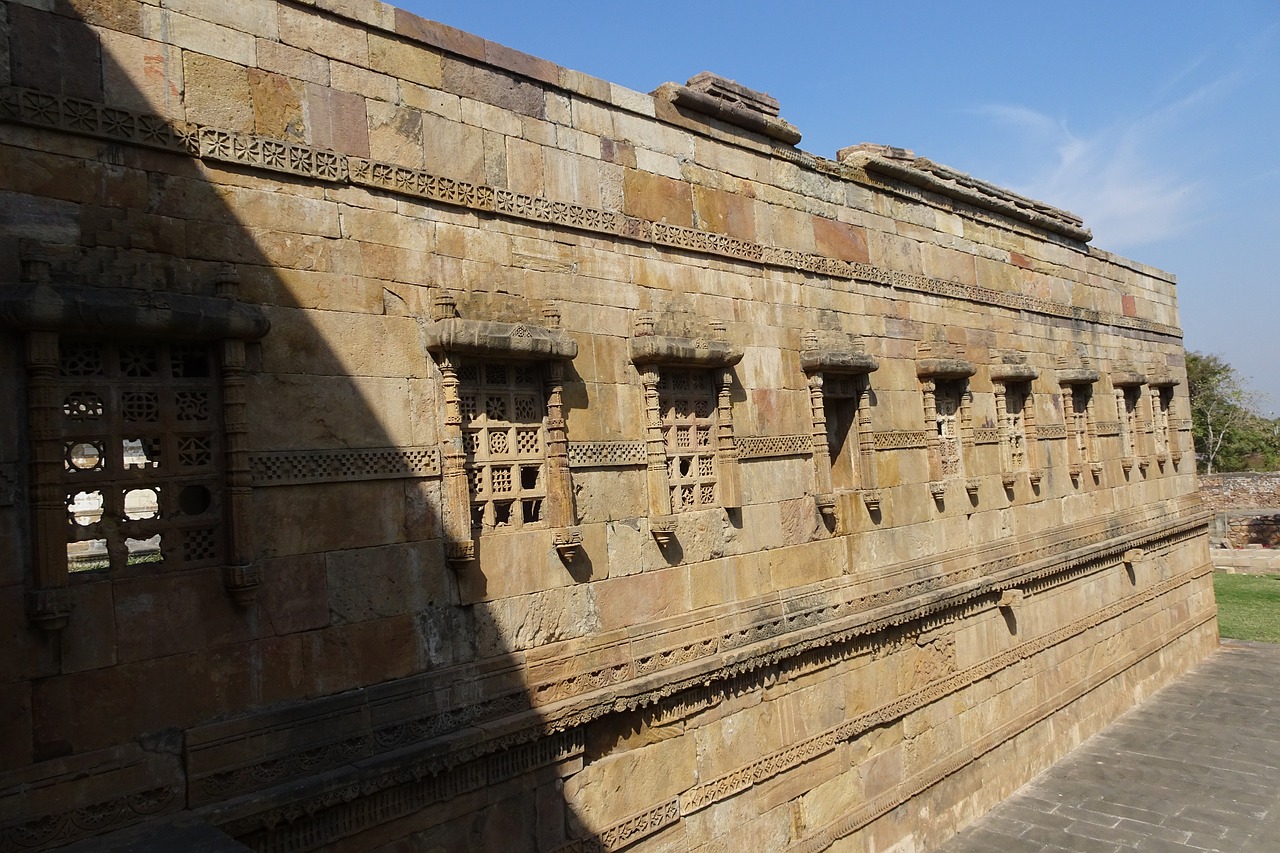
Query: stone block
x,y
642,598
840,240
170,614
198,36
15,726
277,106
337,120
292,62
342,515
363,82
217,92
376,583
334,38
504,90
142,75
54,54
90,639
657,198
294,595
255,17
619,786
454,150
724,212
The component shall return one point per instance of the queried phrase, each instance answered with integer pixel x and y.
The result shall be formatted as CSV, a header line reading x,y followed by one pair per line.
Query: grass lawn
x,y
1248,606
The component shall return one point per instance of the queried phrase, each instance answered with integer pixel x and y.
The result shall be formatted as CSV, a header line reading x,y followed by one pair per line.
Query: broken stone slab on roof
x,y
729,101
903,165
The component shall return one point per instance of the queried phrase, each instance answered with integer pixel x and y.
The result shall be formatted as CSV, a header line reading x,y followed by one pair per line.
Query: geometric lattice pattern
x,y
505,439
687,402
142,454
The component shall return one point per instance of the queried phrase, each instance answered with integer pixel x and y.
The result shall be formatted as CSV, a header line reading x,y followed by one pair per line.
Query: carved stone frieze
x,y
766,446
606,454
290,467
29,107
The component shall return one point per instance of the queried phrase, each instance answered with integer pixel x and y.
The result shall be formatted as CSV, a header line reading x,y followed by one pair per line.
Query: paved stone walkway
x,y
1195,767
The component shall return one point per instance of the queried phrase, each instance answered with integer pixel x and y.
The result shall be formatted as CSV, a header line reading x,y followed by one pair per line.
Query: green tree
x,y
1229,434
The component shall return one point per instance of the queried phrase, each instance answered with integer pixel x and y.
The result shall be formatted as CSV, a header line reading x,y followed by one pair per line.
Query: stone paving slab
x,y
1194,768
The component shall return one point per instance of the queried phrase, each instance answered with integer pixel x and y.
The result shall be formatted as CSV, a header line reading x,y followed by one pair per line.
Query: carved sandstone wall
x,y
419,445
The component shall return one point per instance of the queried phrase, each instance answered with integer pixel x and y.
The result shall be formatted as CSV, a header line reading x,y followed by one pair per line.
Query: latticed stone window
x,y
687,401
504,437
142,452
947,399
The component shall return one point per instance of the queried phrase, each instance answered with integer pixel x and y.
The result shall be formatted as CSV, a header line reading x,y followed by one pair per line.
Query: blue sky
x,y
1158,122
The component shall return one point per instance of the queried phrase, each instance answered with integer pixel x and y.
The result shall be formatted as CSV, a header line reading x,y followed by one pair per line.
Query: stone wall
x,y
486,456
1243,491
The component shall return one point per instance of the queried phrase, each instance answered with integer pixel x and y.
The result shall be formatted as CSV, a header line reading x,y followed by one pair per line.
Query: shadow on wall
x,y
311,678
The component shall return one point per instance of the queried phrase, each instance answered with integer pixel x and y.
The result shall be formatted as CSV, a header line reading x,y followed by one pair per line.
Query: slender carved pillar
x,y
929,388
559,479
456,497
242,577
821,452
47,604
1034,462
868,477
726,449
1006,428
655,446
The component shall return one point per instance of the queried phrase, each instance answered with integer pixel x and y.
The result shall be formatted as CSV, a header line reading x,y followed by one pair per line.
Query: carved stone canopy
x,y
493,338
1013,373
1077,375
838,361
835,353
1127,378
71,308
1163,380
693,352
944,368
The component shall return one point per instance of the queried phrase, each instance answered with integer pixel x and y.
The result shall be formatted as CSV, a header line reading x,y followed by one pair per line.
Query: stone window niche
x,y
137,425
1128,390
692,461
1164,440
944,383
1012,379
505,463
1077,381
838,374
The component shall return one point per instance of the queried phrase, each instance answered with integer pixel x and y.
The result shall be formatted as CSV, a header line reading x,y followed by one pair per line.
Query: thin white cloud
x,y
1116,178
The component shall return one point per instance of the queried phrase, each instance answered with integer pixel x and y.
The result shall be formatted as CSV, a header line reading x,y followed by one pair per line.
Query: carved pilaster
x,y
821,452
869,479
241,576
47,607
929,390
727,448
456,497
559,479
655,447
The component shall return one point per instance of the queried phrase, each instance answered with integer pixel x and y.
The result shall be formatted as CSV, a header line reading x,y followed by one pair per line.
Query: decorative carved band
x,y
288,467
1108,428
627,832
1181,424
986,435
1051,432
764,446
83,117
88,820
902,439
606,454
